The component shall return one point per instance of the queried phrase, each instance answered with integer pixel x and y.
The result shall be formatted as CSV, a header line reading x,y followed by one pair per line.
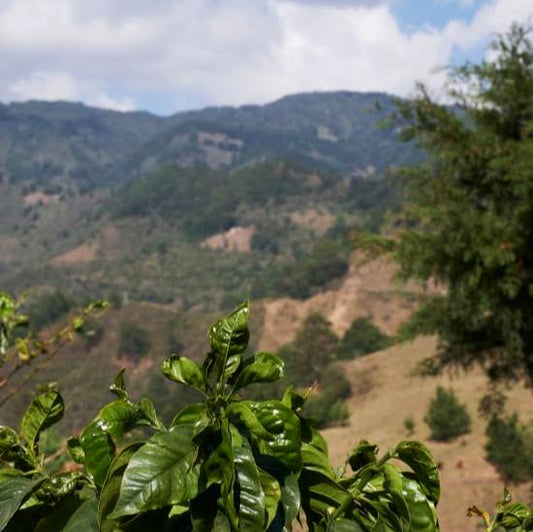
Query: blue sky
x,y
172,55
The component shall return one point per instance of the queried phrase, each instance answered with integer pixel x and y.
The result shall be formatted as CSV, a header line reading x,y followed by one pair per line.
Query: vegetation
x,y
510,448
469,224
224,463
446,417
361,338
134,341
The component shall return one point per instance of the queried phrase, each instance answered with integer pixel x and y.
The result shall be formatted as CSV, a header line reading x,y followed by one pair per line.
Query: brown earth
x,y
39,197
235,239
385,393
367,291
106,244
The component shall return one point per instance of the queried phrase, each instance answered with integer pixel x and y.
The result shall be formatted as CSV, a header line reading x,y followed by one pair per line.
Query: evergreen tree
x,y
468,224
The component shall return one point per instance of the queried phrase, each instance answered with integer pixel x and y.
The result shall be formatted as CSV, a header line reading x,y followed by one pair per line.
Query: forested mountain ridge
x,y
48,142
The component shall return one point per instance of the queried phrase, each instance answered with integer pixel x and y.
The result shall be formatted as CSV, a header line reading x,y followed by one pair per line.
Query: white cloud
x,y
110,52
55,86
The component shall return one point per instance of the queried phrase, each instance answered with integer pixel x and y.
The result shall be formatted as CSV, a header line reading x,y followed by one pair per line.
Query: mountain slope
x,y
53,142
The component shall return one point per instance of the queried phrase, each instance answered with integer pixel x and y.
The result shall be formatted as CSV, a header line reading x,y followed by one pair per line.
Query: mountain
x,y
50,143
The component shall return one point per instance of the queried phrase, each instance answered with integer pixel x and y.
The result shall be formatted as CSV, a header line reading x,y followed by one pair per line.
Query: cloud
x,y
55,86
338,3
119,53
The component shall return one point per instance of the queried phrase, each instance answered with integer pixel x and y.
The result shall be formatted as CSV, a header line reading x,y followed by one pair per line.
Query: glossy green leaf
x,y
8,439
393,485
111,488
98,449
43,412
148,412
229,336
207,514
183,370
241,414
156,474
75,450
251,498
84,519
232,365
365,453
293,399
13,491
423,516
272,492
290,500
321,495
118,387
417,456
57,515
118,417
262,367
283,425
195,415
60,485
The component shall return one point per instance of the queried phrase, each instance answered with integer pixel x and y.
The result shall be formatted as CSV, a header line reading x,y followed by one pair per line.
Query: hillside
x,y
385,393
55,144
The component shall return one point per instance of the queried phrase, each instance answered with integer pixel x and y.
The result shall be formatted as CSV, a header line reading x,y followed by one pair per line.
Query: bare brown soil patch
x,y
367,291
235,239
84,253
378,414
105,245
39,197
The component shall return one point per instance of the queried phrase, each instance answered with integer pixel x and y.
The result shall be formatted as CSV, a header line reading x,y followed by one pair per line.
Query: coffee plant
x,y
225,463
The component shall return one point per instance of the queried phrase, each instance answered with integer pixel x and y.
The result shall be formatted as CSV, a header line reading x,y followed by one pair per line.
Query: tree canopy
x,y
468,224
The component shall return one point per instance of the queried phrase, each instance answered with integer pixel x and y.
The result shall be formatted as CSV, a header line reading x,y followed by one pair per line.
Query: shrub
x,y
361,338
134,341
314,347
446,417
510,448
409,425
224,463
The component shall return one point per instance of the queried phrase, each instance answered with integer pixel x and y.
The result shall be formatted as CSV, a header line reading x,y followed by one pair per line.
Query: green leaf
x,y
229,336
84,519
148,412
156,474
12,493
8,439
241,414
43,412
118,387
290,499
232,365
393,485
272,491
75,450
262,367
365,453
183,370
111,488
283,425
293,399
195,415
118,417
251,498
60,485
417,456
423,516
98,449
321,495
57,515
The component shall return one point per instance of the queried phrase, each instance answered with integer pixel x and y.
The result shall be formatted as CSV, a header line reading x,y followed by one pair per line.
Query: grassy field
x,y
385,393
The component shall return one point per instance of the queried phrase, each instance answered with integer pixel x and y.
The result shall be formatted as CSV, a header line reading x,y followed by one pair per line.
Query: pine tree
x,y
468,224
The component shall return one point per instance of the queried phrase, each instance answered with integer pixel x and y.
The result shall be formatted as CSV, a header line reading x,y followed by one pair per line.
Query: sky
x,y
166,56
